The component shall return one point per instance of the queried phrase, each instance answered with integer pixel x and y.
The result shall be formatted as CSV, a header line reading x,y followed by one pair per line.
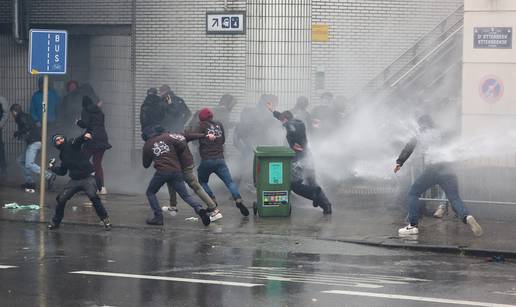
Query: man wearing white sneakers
x,y
434,173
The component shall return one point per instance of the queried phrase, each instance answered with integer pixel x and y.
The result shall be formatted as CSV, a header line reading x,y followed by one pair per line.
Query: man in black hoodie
x,y
30,133
302,163
152,112
75,162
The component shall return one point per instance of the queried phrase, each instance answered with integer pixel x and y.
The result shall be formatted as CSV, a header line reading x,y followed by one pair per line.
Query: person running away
x,y
303,173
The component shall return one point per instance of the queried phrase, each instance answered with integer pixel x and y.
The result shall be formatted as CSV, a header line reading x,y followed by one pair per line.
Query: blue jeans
x,y
27,162
219,167
441,175
176,180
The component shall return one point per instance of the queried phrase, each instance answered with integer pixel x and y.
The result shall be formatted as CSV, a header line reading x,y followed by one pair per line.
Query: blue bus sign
x,y
47,52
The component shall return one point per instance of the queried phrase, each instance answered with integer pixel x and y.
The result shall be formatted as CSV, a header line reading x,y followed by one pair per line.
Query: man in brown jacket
x,y
167,150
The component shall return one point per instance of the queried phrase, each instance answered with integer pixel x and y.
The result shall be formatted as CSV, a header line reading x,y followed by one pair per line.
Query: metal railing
x,y
417,54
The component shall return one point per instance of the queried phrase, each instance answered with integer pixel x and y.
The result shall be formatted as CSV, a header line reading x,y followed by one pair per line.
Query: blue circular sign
x,y
491,89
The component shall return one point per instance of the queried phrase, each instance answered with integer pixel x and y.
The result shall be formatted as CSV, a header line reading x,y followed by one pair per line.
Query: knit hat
x,y
205,114
55,137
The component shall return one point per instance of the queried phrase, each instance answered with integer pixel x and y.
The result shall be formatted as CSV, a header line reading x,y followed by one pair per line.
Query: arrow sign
x,y
215,23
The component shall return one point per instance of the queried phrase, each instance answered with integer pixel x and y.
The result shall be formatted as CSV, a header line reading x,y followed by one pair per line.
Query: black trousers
x,y
89,186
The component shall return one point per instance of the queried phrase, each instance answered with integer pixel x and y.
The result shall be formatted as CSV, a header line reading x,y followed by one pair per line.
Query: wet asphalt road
x,y
198,268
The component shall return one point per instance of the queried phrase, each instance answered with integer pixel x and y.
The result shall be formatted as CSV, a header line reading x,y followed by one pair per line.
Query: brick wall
x,y
5,11
172,48
367,35
81,12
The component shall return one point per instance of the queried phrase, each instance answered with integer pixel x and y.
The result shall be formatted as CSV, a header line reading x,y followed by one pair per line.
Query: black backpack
x,y
1,111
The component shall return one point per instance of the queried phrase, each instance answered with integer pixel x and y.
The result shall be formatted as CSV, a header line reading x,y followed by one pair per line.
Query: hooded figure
x,y
152,112
75,162
92,119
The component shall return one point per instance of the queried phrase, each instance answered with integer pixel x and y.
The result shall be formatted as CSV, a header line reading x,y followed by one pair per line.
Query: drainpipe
x,y
20,20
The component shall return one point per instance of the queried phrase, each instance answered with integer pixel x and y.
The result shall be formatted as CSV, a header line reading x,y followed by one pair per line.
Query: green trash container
x,y
271,172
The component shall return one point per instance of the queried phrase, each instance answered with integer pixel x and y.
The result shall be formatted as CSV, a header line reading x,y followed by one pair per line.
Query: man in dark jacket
x,y
167,150
300,112
325,117
439,173
30,133
92,120
177,112
188,166
211,150
76,163
302,164
152,112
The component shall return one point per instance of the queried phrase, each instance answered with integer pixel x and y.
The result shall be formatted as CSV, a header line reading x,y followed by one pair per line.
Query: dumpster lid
x,y
273,151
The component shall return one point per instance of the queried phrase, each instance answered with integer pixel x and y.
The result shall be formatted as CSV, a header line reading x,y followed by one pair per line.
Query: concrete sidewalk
x,y
367,219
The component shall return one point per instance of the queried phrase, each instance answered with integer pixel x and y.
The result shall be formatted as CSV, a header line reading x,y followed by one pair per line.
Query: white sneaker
x,y
103,191
408,230
475,227
215,215
172,210
439,213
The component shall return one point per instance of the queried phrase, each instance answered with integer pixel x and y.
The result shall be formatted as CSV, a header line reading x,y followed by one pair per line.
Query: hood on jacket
x,y
152,99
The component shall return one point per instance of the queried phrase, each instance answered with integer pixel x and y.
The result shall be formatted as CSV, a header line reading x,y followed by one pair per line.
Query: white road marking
x,y
166,278
510,292
7,266
417,298
332,279
297,280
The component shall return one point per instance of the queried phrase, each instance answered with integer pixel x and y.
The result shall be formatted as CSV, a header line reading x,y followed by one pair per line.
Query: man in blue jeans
x,y
211,150
166,150
29,132
439,173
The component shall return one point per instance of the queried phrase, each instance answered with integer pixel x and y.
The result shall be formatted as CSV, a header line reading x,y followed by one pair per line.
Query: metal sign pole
x,y
42,179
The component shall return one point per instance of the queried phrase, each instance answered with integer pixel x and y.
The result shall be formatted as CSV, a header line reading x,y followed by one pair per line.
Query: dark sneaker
x,y
157,220
107,224
50,181
52,226
205,218
327,208
240,205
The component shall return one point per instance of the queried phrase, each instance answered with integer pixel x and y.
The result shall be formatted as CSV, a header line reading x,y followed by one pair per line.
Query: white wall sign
x,y
231,22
